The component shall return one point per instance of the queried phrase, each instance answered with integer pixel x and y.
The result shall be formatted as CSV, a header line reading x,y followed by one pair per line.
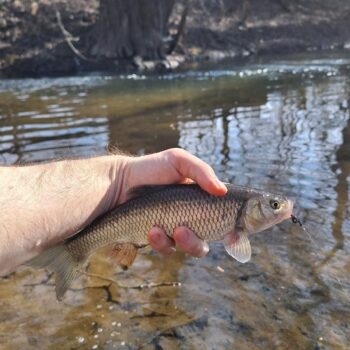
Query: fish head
x,y
264,211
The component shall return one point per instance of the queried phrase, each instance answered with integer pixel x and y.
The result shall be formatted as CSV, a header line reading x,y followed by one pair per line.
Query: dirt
x,y
32,42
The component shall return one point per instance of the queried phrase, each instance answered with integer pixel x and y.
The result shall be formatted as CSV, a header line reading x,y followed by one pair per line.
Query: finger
x,y
189,166
190,243
160,242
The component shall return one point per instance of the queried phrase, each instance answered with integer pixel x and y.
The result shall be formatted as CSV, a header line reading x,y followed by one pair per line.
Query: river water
x,y
280,125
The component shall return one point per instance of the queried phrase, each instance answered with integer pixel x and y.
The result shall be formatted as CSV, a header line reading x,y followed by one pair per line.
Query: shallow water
x,y
280,125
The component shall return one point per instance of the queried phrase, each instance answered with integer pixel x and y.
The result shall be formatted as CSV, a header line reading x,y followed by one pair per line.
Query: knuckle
x,y
176,153
177,158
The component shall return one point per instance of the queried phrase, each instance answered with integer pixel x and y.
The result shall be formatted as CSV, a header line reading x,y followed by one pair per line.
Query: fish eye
x,y
274,204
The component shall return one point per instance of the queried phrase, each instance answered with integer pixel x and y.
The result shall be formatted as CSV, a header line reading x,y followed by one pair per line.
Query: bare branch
x,y
69,38
139,286
180,29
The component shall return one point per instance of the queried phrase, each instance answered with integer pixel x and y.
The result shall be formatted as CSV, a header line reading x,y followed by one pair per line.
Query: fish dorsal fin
x,y
238,246
145,190
124,253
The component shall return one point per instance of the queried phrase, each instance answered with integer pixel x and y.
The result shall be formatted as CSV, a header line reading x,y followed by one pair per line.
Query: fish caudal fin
x,y
59,260
124,253
238,246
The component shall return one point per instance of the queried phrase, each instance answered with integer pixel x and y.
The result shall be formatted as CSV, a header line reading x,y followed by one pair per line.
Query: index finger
x,y
189,166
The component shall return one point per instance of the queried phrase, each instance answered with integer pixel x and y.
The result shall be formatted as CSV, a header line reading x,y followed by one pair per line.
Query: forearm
x,y
46,203
43,204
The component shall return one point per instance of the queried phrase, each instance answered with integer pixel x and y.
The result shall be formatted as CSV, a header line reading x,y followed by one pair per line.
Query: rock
x,y
34,8
19,6
148,65
4,45
3,23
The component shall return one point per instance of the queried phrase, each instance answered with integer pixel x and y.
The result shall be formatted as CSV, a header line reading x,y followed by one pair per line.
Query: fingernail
x,y
205,248
220,184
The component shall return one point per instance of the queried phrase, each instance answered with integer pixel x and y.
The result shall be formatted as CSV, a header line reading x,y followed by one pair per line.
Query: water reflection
x,y
282,127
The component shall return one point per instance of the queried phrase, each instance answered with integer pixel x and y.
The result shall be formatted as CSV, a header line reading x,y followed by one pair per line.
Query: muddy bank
x,y
32,41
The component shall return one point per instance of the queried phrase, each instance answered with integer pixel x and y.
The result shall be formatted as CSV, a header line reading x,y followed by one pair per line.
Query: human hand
x,y
77,191
168,167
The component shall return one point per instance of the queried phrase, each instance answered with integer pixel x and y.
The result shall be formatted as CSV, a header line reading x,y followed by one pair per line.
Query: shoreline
x,y
32,43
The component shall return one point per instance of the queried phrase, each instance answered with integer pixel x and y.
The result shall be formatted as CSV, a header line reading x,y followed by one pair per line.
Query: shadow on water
x,y
282,127
342,172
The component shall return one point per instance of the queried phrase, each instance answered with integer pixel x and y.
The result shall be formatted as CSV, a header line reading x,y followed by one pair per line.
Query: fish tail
x,y
60,260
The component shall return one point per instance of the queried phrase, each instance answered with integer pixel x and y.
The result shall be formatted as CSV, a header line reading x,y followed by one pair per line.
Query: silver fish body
x,y
209,217
230,218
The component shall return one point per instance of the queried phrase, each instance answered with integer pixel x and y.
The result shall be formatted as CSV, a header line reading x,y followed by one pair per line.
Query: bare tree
x,y
129,28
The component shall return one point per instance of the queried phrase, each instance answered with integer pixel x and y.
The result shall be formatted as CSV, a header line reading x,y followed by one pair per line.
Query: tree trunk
x,y
129,28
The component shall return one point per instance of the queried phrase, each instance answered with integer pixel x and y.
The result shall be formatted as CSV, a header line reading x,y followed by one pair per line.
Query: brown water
x,y
279,125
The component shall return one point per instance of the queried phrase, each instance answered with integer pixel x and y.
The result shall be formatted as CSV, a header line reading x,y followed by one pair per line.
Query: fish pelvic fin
x,y
238,246
60,260
124,253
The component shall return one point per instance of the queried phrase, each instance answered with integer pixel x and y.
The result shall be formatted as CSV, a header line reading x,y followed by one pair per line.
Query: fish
x,y
229,218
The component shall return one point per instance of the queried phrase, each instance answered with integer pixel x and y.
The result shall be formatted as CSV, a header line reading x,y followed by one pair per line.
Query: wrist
x,y
85,189
43,204
118,175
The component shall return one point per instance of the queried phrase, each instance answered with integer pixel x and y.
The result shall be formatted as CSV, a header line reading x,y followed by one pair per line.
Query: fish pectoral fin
x,y
124,253
238,246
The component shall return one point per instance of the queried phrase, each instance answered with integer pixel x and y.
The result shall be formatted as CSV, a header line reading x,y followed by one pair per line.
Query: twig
x,y
105,288
69,37
45,281
180,29
139,286
150,315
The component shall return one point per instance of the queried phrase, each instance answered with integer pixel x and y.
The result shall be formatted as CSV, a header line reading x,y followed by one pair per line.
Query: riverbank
x,y
35,36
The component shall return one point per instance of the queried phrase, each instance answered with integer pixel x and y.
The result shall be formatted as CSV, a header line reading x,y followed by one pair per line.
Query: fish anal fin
x,y
238,246
124,253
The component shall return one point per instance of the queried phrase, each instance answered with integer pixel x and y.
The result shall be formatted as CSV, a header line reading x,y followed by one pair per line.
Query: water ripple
x,y
283,127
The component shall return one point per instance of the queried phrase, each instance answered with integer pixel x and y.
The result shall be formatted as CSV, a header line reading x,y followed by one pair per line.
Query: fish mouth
x,y
289,210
